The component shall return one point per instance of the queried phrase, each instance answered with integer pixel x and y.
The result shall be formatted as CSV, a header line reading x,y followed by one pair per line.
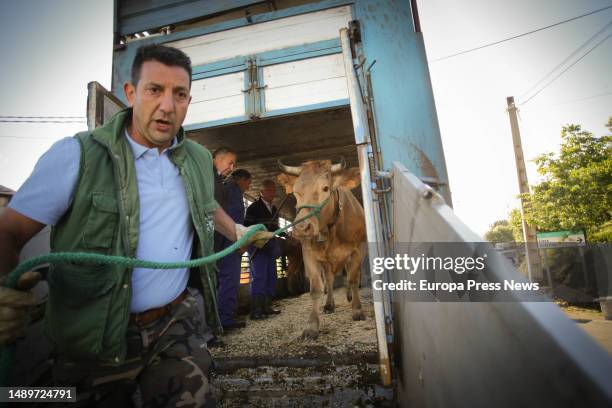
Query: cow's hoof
x,y
349,297
358,315
329,308
310,334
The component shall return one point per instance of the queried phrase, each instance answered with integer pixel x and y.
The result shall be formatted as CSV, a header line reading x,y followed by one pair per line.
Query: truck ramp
x,y
267,364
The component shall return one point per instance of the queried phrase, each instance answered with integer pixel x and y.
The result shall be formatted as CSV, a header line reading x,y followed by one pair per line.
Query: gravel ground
x,y
279,335
593,323
575,312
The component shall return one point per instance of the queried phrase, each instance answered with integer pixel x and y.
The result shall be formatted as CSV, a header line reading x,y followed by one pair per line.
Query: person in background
x,y
229,267
224,160
263,261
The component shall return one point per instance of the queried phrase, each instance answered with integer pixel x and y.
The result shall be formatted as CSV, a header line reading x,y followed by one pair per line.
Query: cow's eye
x,y
326,189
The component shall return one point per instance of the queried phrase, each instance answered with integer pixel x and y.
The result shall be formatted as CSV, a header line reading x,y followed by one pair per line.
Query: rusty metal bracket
x,y
252,83
354,30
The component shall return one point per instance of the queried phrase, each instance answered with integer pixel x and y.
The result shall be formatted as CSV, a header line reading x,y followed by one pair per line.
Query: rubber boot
x,y
267,308
257,308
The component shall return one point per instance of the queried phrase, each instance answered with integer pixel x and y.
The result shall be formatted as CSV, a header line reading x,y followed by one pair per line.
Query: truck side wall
x,y
408,129
485,354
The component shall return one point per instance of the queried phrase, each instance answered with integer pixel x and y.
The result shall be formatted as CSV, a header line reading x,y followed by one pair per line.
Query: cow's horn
x,y
295,171
338,166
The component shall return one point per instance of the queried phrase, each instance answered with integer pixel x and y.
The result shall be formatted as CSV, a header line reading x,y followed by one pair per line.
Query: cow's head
x,y
313,183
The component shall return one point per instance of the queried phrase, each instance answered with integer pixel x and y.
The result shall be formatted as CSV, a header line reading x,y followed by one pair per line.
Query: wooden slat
x,y
101,105
216,98
305,82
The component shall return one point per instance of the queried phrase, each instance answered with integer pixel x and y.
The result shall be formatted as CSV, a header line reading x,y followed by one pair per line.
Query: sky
x,y
470,90
52,49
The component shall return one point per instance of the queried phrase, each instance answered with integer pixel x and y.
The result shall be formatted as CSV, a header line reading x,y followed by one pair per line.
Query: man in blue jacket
x,y
229,267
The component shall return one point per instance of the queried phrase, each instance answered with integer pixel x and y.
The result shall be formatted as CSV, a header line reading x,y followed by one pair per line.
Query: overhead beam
x,y
136,16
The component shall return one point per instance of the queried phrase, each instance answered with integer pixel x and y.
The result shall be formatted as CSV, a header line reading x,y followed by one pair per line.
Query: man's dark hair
x,y
241,174
223,150
169,56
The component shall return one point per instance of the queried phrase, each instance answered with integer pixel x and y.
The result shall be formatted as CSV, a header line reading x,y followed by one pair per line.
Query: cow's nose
x,y
305,228
308,228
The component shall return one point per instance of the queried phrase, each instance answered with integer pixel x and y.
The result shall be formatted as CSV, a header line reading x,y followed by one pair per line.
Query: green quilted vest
x,y
88,308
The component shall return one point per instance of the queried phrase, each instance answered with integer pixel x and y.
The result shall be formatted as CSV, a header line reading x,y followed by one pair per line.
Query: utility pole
x,y
529,233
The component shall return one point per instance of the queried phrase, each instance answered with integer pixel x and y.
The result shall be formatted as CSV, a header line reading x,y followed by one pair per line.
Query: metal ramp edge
x,y
501,354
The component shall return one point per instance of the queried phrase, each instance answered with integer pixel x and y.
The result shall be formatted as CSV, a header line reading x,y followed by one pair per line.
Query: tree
x,y
516,223
498,223
577,189
603,233
499,232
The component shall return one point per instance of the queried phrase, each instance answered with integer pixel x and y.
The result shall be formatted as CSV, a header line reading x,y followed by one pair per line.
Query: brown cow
x,y
334,239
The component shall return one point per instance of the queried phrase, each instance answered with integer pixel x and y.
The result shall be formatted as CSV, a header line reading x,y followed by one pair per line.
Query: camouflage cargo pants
x,y
167,365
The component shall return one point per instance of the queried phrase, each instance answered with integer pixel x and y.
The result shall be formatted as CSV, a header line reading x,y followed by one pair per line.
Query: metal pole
x,y
529,233
372,220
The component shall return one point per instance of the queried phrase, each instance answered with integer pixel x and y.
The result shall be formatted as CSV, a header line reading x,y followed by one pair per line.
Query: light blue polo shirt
x,y
166,230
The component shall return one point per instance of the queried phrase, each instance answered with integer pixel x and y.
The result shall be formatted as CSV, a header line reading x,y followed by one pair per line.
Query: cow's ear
x,y
349,178
286,180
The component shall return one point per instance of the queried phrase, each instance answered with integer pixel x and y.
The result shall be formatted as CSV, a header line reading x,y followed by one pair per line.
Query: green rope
x,y
8,351
98,259
316,208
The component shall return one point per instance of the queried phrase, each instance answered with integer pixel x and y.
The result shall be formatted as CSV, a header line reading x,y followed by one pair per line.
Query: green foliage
x,y
498,223
603,233
577,189
499,232
502,231
516,223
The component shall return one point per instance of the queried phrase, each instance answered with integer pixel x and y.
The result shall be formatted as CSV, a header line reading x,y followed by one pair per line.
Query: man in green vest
x,y
135,187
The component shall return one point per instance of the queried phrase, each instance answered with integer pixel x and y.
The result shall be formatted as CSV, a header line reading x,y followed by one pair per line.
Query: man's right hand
x,y
16,306
259,239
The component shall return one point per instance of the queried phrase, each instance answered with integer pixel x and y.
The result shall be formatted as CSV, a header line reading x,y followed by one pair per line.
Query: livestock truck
x,y
295,80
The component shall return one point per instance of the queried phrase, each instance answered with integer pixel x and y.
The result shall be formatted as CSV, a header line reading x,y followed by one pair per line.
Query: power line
x,y
41,117
520,35
28,137
586,98
40,121
568,58
566,69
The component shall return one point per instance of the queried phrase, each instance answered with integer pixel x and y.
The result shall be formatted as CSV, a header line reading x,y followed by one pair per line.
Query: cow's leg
x,y
313,271
329,283
354,277
349,294
325,287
